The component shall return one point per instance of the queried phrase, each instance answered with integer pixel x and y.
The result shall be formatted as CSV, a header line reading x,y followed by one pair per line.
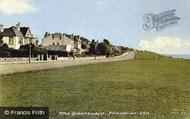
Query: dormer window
x,y
21,41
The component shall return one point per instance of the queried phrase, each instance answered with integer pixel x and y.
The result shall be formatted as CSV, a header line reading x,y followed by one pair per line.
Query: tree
x,y
105,48
83,45
39,50
106,42
92,49
109,50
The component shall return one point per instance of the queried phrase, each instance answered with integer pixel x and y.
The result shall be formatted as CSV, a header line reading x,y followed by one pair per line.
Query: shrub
x,y
4,46
58,53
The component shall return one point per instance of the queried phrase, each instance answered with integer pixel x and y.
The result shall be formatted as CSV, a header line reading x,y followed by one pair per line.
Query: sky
x,y
120,21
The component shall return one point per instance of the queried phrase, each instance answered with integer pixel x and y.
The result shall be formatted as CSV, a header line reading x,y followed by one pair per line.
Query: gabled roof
x,y
12,31
24,30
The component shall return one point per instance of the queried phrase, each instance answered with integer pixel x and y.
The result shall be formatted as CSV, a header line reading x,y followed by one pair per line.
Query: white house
x,y
16,36
63,41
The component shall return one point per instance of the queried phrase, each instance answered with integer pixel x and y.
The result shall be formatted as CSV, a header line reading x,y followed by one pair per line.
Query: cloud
x,y
166,45
9,7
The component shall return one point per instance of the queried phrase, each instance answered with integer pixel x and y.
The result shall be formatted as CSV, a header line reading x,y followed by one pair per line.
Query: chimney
x,y
1,28
72,36
46,34
18,26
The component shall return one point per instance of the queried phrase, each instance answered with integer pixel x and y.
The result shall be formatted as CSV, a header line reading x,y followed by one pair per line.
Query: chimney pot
x,y
18,26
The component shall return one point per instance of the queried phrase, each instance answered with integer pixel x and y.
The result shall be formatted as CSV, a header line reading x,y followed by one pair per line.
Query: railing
x,y
49,58
14,59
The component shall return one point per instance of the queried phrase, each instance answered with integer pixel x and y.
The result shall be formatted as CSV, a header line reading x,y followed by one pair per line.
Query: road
x,y
10,68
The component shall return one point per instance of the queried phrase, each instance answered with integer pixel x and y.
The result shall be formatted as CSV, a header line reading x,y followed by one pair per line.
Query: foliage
x,y
92,49
39,50
58,53
4,46
84,45
15,53
105,48
22,52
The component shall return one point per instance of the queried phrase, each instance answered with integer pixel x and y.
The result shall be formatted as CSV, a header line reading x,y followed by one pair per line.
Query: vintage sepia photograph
x,y
94,59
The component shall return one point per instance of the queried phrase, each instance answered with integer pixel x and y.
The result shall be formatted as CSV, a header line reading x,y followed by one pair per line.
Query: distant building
x,y
62,41
16,36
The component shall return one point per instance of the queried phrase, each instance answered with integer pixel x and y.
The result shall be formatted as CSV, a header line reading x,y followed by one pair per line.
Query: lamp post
x,y
95,49
30,52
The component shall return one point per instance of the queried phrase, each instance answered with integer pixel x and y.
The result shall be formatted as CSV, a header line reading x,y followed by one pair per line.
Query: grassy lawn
x,y
151,83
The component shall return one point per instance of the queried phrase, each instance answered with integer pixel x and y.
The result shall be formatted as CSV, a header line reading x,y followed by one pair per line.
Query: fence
x,y
18,59
15,59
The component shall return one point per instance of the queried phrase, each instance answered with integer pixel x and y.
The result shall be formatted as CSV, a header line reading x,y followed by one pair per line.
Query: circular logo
x,y
149,22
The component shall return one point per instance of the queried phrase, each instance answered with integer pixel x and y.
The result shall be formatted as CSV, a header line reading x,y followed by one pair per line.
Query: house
x,y
28,36
16,36
77,43
62,41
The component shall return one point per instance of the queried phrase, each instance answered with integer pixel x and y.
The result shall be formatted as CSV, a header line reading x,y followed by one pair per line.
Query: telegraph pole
x,y
29,53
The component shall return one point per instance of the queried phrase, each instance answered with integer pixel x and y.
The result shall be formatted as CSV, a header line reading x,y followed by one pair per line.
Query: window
x,y
21,41
60,37
10,40
53,36
57,43
30,40
53,43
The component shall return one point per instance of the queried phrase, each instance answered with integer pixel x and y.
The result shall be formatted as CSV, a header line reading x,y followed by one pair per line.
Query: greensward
x,y
150,83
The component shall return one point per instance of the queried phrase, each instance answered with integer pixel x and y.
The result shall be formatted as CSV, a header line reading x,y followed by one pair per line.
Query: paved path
x,y
9,68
